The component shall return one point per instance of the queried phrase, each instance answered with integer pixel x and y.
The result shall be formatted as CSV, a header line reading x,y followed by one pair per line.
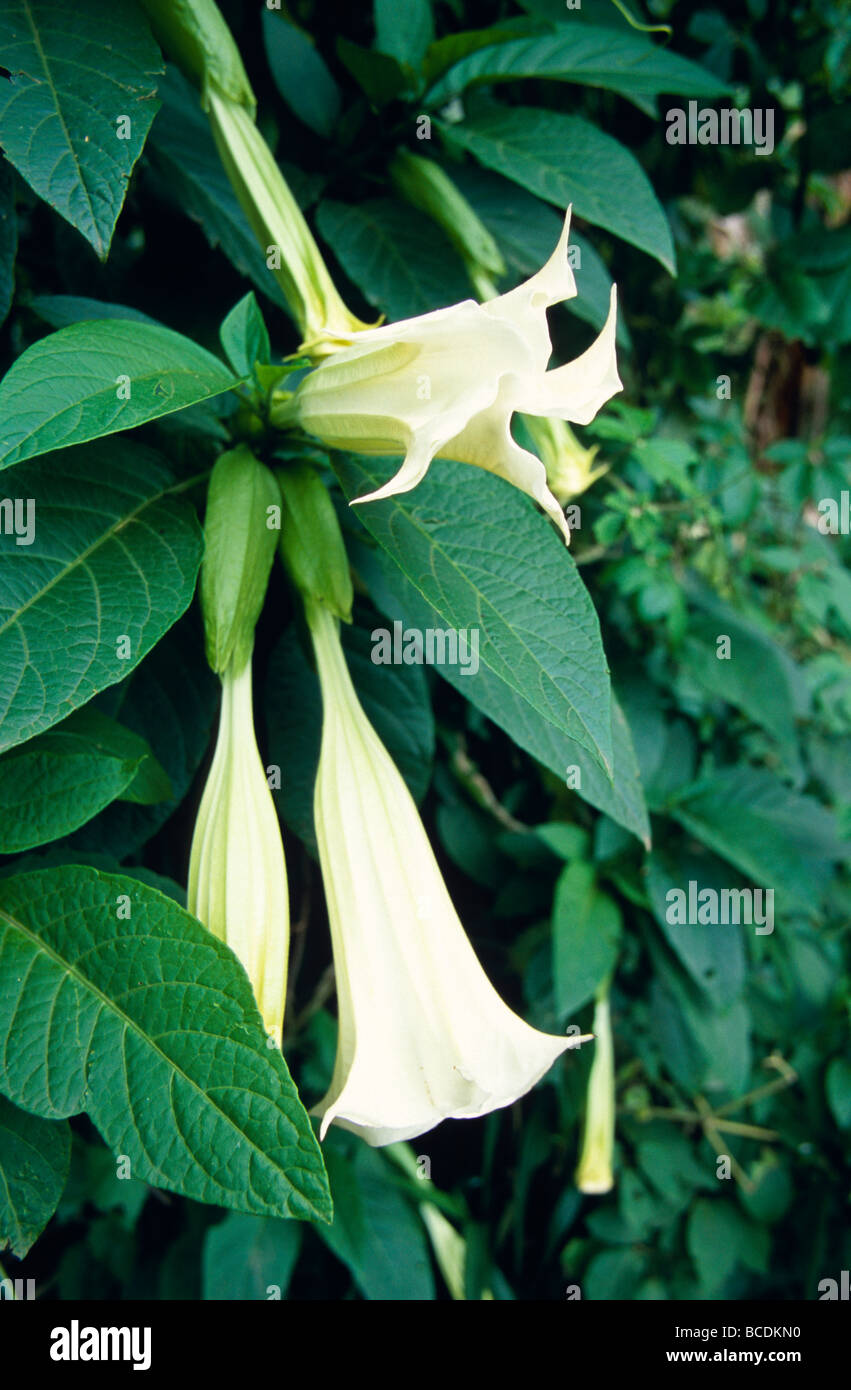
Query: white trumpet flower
x,y
423,1035
237,875
446,384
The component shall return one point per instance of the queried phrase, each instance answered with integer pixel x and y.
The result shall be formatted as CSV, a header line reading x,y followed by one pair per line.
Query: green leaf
x,y
401,261
148,1022
58,781
586,931
461,538
775,836
622,798
244,336
757,677
719,1237
375,1232
185,154
713,954
35,1155
8,238
381,78
564,160
301,74
249,1257
94,378
838,1088
597,57
116,575
170,701
404,29
78,105
395,699
61,309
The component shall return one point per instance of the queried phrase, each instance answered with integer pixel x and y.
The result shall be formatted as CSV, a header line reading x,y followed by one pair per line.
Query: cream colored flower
x,y
446,385
423,1035
237,875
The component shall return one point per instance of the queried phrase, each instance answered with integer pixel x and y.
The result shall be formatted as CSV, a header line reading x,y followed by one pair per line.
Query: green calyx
x,y
240,532
312,547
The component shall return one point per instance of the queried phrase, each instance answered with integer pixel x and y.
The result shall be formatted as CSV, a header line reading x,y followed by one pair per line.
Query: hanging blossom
x,y
446,384
423,1035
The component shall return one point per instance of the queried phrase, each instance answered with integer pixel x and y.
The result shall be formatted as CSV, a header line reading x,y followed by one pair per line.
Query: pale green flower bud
x,y
237,875
594,1172
194,34
312,546
239,547
428,187
570,468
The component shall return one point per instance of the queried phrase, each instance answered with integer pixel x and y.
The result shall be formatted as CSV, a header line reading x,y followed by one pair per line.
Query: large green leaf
x,y
376,1232
59,780
778,838
170,701
98,586
78,104
622,798
465,540
564,160
597,57
301,74
8,238
404,29
586,928
148,1022
34,1159
250,1257
713,954
400,260
96,377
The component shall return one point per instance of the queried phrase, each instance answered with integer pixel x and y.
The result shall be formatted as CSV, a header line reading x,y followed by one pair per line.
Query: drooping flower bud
x,y
428,187
194,34
237,875
570,468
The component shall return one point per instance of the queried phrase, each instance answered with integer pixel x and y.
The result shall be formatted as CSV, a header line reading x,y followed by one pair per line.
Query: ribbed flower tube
x,y
423,1035
237,874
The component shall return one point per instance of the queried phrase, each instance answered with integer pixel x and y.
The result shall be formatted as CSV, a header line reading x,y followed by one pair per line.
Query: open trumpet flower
x,y
237,874
446,384
423,1035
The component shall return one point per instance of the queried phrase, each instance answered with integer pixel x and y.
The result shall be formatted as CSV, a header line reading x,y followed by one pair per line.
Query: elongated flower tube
x,y
196,37
594,1171
237,876
423,1035
571,469
446,385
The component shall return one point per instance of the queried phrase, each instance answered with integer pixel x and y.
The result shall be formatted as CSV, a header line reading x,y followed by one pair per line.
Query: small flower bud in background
x,y
594,1171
